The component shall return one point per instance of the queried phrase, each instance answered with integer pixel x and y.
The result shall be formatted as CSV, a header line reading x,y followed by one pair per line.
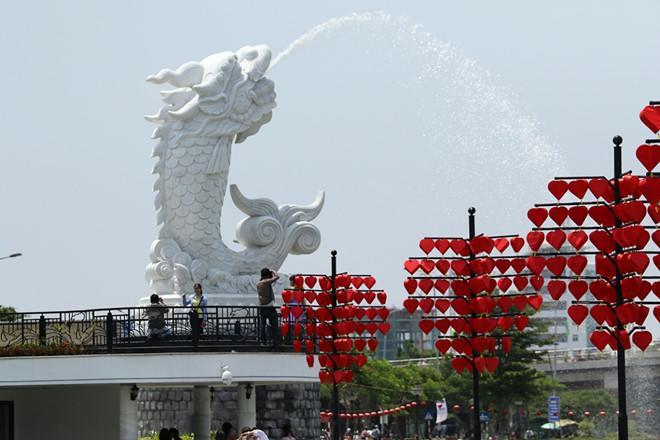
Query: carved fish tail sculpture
x,y
217,102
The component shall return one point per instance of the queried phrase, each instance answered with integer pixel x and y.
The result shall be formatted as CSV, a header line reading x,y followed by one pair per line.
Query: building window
x,y
575,338
6,420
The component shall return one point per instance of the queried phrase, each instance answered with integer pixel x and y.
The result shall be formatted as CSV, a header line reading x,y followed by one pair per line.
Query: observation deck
x,y
228,329
105,346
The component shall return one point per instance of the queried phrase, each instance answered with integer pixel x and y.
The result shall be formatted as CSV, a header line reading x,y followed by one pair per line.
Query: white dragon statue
x,y
217,102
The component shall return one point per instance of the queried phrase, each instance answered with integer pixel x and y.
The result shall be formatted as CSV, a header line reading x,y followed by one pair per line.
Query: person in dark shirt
x,y
267,310
155,313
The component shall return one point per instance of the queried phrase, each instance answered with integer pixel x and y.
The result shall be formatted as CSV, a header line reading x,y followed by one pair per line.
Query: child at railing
x,y
155,313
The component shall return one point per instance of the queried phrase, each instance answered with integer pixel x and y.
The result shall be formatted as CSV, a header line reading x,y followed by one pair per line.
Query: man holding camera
x,y
155,313
267,305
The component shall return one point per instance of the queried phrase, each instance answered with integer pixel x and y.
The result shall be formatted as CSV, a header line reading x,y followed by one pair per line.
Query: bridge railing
x,y
126,329
593,354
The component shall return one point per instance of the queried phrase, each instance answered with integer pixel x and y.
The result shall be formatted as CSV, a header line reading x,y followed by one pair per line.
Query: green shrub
x,y
586,427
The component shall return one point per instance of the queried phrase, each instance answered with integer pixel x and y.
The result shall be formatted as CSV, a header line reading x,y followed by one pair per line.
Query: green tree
x,y
515,378
410,351
379,384
592,400
7,313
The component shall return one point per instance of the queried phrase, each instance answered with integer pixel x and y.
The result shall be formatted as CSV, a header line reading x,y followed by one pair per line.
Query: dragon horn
x,y
305,212
253,207
187,75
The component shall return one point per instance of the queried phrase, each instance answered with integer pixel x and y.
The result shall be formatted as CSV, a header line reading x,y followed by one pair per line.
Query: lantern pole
x,y
335,390
620,351
475,373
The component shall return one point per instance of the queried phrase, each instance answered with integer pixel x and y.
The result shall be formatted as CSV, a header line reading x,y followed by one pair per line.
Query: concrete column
x,y
201,412
247,408
128,420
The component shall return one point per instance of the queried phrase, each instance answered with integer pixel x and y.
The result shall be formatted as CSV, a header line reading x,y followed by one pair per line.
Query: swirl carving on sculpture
x,y
219,101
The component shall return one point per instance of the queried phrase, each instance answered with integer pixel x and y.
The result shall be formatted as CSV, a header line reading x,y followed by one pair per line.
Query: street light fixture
x,y
14,255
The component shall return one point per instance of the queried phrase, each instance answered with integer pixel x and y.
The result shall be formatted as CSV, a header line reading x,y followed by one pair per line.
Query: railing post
x,y
194,321
42,330
109,330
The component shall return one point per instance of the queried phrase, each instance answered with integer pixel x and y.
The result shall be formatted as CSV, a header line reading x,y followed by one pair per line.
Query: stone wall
x,y
296,405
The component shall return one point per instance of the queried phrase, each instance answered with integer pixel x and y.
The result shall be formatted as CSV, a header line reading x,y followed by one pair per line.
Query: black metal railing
x,y
126,329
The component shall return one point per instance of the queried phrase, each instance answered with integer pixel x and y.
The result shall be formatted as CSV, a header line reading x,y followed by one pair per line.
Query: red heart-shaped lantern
x,y
558,214
427,245
501,244
578,188
517,243
642,339
443,345
578,313
556,289
426,325
558,188
537,216
410,285
442,325
601,188
521,322
460,363
578,214
503,284
650,116
578,288
600,339
602,241
442,245
535,240
556,238
577,263
556,265
602,215
410,265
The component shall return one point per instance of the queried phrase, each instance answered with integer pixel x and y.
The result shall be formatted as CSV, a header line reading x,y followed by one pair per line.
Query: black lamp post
x,y
248,390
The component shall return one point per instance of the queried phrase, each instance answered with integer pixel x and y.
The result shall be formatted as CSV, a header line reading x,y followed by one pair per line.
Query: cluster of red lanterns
x,y
610,215
466,282
370,414
335,318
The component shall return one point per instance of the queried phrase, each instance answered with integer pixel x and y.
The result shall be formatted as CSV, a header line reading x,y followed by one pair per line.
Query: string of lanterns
x,y
456,408
369,414
572,413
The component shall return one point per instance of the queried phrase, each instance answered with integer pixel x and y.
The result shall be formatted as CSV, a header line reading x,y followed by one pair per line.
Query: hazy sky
x,y
403,126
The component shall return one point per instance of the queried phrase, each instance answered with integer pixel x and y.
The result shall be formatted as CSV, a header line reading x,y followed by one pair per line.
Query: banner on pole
x,y
441,411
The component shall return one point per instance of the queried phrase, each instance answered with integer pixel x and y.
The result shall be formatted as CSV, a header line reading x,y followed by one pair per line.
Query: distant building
x,y
404,333
561,330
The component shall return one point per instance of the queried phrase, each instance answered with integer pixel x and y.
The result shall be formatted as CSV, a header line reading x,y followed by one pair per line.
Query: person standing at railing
x,y
198,313
155,313
267,311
